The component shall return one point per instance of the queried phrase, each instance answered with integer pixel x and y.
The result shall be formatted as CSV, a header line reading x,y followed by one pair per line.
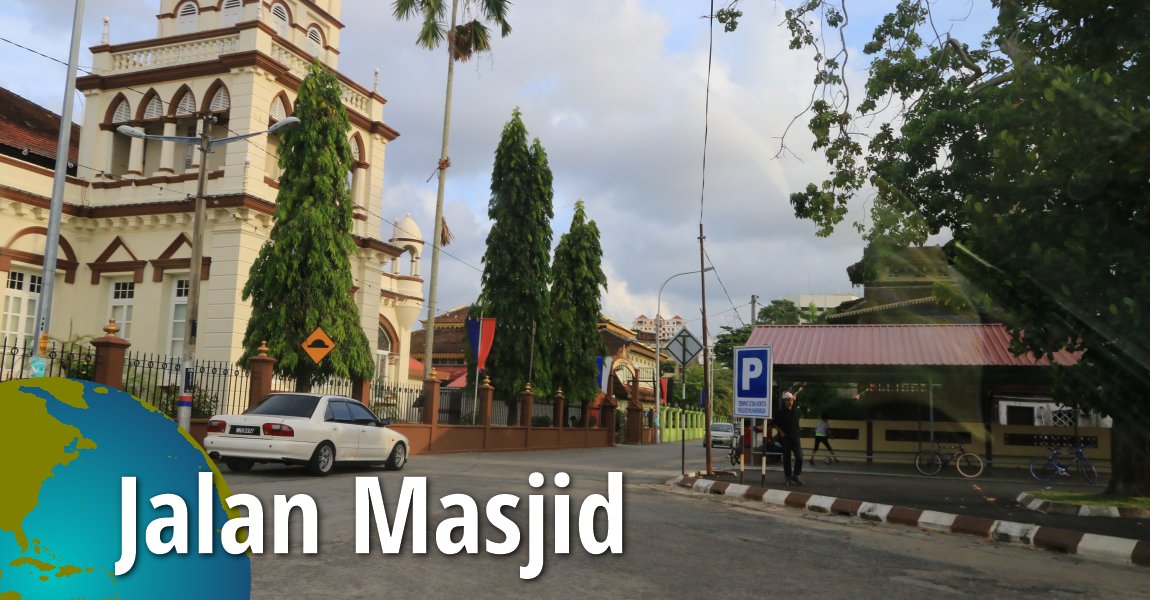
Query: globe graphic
x,y
68,444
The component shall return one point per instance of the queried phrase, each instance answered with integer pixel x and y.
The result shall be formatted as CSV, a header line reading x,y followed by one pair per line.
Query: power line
x,y
707,106
722,285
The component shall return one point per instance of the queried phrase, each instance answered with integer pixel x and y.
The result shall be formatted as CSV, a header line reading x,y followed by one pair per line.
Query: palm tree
x,y
463,41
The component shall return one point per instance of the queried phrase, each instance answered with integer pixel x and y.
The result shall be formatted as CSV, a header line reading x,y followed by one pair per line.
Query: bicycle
x,y
736,450
930,462
1046,468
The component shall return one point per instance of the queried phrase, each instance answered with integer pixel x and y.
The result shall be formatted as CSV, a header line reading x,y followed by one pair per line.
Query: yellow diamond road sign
x,y
318,345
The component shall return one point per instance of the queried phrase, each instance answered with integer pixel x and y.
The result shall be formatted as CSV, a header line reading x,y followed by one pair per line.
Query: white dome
x,y
406,232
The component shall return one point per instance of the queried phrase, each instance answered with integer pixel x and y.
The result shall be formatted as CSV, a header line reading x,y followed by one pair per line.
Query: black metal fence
x,y
220,386
76,361
399,403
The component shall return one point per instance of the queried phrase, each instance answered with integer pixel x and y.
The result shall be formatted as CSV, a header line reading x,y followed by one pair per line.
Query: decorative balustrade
x,y
298,65
194,51
172,54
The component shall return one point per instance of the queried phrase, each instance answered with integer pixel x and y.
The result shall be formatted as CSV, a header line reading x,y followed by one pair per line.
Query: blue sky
x,y
614,90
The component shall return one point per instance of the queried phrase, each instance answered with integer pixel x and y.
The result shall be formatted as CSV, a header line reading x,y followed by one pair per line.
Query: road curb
x,y
1079,510
1086,545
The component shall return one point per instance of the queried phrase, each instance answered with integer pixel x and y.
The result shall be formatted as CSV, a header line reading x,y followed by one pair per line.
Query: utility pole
x,y
706,354
754,313
56,208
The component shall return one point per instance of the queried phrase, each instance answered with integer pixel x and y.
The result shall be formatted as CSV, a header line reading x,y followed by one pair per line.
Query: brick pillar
x,y
486,398
560,412
361,390
526,406
634,414
110,351
431,399
585,414
261,382
607,416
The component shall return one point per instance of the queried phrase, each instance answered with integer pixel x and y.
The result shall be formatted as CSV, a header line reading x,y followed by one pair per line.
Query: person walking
x,y
788,427
823,436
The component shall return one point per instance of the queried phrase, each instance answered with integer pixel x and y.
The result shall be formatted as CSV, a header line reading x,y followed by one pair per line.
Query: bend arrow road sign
x,y
753,372
684,346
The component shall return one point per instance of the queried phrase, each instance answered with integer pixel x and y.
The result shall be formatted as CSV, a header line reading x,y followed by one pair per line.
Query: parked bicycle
x,y
1046,468
930,462
736,450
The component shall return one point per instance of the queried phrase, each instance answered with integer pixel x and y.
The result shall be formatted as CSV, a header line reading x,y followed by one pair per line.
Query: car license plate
x,y
245,430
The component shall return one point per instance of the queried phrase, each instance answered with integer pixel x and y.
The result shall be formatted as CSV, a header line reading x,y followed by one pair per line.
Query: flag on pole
x,y
603,363
663,385
481,334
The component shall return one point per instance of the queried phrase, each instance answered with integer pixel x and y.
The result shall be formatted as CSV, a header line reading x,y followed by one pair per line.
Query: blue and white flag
x,y
604,365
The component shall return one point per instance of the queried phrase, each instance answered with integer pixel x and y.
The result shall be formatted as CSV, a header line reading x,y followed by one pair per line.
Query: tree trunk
x,y
1129,455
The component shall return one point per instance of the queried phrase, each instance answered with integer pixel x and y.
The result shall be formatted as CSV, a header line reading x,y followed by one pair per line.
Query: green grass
x,y
1093,499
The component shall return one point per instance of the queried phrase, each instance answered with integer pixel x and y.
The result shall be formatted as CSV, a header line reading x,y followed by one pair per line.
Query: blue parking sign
x,y
753,372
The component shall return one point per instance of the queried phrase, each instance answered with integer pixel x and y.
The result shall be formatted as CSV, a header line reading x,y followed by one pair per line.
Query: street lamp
x,y
659,349
205,143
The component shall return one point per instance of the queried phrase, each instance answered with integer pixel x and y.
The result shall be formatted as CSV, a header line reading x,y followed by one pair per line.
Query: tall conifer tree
x,y
576,309
516,265
302,277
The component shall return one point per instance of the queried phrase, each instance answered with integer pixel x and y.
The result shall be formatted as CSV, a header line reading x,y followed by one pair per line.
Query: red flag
x,y
486,337
663,387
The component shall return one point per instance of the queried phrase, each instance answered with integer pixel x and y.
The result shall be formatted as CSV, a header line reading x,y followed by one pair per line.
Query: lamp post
x,y
659,349
205,143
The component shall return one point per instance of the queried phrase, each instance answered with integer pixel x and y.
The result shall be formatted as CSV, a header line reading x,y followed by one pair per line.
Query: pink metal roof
x,y
941,345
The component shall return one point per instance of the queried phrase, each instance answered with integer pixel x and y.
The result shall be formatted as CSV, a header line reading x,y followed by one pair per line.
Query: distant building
x,y
821,302
645,324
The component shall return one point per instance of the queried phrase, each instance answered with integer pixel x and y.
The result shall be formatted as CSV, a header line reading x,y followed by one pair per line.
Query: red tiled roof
x,y
939,345
25,125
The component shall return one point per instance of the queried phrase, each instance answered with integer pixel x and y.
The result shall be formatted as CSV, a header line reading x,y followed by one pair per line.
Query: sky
x,y
616,92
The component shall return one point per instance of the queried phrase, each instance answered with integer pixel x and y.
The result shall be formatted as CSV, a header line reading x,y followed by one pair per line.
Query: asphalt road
x,y
676,545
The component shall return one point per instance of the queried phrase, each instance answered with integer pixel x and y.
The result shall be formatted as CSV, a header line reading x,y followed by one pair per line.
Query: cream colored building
x,y
124,248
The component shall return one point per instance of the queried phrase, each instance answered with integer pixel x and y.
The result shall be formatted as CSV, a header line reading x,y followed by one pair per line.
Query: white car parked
x,y
315,430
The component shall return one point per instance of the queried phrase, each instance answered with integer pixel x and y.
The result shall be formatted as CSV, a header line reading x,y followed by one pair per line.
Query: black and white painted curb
x,y
1086,545
1079,510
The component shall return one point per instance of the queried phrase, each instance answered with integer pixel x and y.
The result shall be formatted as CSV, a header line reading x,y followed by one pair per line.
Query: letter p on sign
x,y
751,368
753,371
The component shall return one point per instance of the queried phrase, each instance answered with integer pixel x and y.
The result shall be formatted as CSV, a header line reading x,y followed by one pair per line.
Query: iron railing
x,y
220,386
398,403
73,360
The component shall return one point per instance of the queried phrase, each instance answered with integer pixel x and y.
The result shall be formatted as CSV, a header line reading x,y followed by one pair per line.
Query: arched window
x,y
278,110
314,40
186,125
123,113
383,340
155,108
187,105
186,16
232,10
280,19
353,170
221,101
121,144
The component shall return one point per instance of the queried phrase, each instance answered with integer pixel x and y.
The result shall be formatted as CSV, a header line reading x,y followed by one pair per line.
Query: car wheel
x,y
239,465
398,457
322,460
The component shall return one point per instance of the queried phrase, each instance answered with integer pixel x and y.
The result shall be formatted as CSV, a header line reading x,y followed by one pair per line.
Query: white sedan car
x,y
315,430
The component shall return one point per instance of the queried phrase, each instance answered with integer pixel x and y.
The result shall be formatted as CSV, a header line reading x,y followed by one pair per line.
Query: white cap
x,y
788,395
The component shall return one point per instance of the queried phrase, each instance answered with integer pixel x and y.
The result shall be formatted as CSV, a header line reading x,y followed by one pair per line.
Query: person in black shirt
x,y
788,425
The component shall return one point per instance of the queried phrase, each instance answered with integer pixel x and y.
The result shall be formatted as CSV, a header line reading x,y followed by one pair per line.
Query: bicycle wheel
x,y
734,453
1088,471
969,464
928,462
1042,468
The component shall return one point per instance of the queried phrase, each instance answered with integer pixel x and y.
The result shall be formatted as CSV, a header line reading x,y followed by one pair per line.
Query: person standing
x,y
788,426
823,436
